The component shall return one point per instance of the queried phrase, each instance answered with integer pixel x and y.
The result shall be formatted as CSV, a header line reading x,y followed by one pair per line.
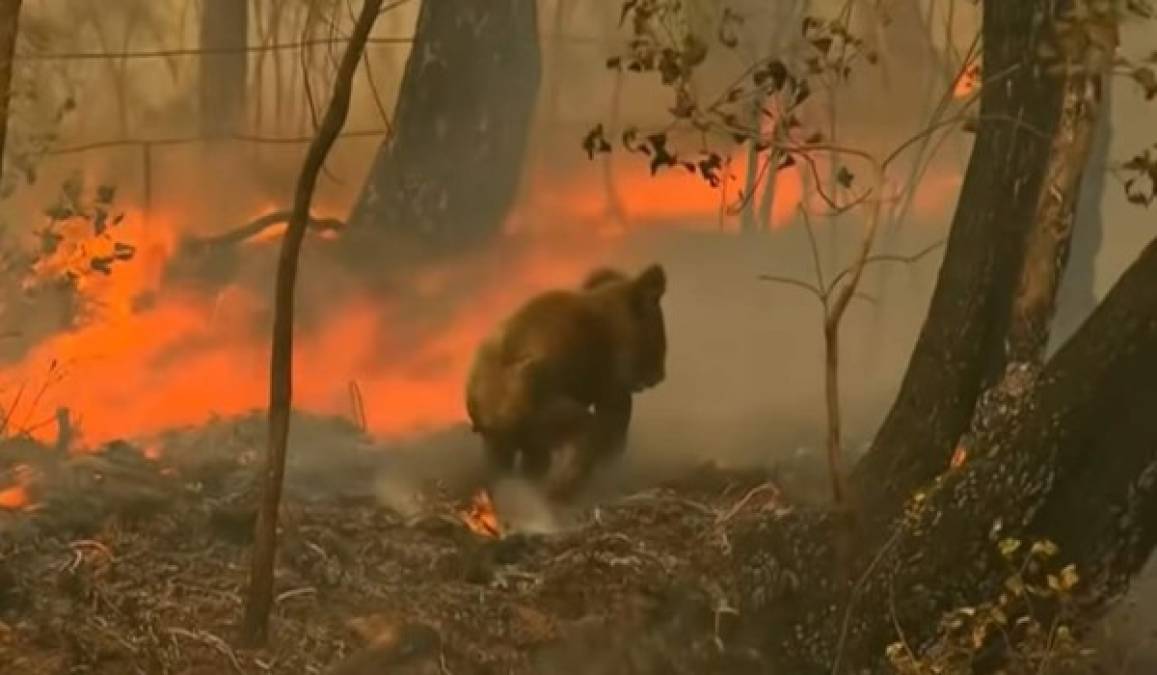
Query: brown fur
x,y
565,365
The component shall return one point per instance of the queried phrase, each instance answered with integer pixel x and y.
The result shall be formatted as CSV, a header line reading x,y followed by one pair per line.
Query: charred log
x,y
449,173
198,245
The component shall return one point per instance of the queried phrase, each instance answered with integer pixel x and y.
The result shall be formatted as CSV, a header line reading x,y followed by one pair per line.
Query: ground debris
x,y
150,579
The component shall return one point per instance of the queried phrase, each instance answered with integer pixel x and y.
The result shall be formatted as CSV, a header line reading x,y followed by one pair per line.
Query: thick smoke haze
x,y
745,362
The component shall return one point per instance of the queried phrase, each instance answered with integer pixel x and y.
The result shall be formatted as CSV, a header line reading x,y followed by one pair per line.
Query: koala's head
x,y
644,295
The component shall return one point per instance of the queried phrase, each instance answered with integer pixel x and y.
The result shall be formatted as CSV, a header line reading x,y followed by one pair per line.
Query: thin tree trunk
x,y
449,174
259,599
747,219
1047,247
615,209
1077,297
767,199
9,27
224,26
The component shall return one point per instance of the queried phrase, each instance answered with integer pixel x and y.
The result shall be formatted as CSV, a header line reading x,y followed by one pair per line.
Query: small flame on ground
x,y
15,497
481,517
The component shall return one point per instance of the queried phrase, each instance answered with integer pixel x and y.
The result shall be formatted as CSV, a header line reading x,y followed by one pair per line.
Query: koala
x,y
563,368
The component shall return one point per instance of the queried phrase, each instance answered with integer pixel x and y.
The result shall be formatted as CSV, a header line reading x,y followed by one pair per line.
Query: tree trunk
x,y
1039,473
960,349
747,213
1078,296
449,174
9,27
259,599
225,68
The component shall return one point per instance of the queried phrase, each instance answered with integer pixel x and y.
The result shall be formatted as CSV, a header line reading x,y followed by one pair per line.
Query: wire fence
x,y
263,48
148,148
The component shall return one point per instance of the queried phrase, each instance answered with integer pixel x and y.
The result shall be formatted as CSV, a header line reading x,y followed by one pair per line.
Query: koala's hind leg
x,y
558,422
612,420
606,436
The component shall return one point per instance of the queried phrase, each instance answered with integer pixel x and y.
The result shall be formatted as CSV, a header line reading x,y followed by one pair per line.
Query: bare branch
x,y
815,248
256,227
797,283
892,258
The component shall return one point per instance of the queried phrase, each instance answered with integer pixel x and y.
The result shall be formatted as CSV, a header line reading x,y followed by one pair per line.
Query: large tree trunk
x,y
225,66
1039,473
9,23
449,174
960,349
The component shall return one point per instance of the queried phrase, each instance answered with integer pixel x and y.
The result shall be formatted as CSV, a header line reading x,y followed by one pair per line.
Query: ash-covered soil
x,y
135,560
125,564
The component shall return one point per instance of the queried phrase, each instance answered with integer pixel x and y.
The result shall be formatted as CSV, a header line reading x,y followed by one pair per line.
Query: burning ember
x,y
16,495
968,82
480,516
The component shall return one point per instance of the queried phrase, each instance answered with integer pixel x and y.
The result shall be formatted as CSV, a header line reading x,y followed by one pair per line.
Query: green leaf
x,y
1008,546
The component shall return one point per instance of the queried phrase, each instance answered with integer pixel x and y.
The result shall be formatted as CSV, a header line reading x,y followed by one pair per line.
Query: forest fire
x,y
145,357
684,470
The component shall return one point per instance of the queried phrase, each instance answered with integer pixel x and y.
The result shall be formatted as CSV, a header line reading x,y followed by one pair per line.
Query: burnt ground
x,y
125,564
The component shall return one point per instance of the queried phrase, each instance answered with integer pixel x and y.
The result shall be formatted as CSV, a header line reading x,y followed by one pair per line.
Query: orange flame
x,y
134,369
670,197
481,517
15,497
968,82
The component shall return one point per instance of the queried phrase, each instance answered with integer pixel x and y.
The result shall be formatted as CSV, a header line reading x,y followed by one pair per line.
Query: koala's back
x,y
568,336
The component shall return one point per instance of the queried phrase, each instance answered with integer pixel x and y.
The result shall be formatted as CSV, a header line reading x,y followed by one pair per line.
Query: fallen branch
x,y
255,228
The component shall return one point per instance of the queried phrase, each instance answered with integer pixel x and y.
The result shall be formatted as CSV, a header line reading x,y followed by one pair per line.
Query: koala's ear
x,y
651,284
601,276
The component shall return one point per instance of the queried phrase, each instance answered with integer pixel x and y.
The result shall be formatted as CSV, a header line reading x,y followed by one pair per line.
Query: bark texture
x,y
448,175
1078,297
960,349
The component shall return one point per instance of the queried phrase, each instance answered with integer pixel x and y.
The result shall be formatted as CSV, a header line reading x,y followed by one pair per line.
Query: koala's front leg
x,y
500,454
